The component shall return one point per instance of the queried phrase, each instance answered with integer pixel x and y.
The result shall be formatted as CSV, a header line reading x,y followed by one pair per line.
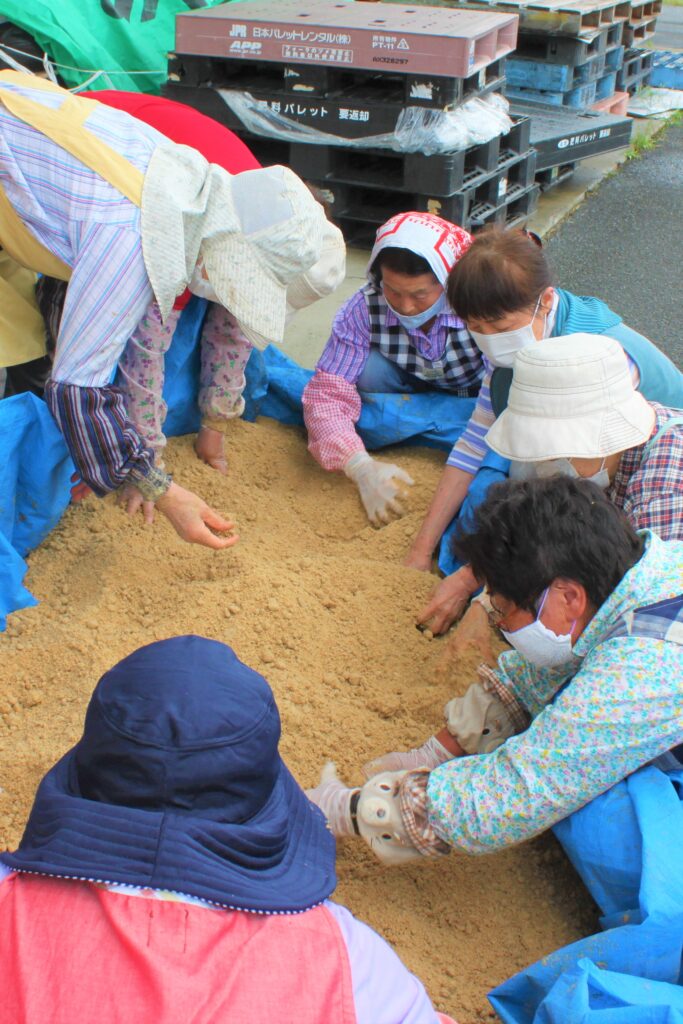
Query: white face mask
x,y
563,467
540,645
199,284
500,349
413,323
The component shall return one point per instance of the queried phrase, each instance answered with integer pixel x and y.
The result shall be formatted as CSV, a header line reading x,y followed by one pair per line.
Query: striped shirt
x,y
87,224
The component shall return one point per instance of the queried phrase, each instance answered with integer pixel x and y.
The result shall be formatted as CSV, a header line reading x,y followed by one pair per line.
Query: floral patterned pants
x,y
224,355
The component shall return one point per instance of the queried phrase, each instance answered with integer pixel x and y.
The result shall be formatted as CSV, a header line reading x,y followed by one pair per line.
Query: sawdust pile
x,y
318,601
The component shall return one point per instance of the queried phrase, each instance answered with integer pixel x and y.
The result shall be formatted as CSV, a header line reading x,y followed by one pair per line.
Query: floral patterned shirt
x,y
616,706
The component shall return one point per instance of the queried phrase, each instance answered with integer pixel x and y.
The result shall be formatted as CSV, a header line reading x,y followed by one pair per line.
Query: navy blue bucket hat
x,y
177,784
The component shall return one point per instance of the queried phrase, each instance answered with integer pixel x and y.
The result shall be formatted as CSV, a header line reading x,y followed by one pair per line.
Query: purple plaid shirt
x,y
650,490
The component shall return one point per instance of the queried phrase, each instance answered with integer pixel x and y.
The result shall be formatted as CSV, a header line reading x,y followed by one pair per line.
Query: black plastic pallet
x,y
562,136
564,50
513,211
351,117
440,175
375,205
552,176
307,81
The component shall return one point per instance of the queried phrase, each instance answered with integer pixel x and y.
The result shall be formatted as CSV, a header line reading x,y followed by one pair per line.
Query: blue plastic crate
x,y
614,58
606,85
581,96
667,69
538,74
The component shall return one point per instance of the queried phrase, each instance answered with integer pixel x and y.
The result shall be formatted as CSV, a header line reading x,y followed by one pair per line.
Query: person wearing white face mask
x,y
573,410
590,693
396,335
503,289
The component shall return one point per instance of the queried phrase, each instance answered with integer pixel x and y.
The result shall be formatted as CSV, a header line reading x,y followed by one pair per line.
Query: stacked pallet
x,y
569,52
306,84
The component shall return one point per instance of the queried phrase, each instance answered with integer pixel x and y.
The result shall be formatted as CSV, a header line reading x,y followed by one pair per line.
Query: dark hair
x,y
527,533
21,45
401,261
501,272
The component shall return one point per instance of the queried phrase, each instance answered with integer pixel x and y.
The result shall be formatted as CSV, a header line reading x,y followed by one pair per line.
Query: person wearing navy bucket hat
x,y
172,869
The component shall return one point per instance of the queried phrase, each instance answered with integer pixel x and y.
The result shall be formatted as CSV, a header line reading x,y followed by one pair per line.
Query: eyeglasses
x,y
496,616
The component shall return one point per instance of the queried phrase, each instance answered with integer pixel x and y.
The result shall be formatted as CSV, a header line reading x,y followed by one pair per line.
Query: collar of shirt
x,y
645,583
433,344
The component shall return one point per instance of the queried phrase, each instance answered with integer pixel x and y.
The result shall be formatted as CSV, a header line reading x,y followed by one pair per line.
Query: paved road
x,y
668,30
625,244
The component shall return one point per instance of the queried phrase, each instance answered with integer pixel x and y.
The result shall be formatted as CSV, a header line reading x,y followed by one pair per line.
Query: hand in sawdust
x,y
448,601
132,501
193,519
210,448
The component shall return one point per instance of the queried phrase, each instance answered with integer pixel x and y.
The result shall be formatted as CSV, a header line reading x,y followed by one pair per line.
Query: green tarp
x,y
116,36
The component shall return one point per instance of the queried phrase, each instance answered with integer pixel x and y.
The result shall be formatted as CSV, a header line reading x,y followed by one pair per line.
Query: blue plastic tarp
x,y
626,845
34,490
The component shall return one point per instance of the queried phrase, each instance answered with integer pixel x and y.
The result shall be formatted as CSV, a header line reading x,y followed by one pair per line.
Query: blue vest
x,y
660,380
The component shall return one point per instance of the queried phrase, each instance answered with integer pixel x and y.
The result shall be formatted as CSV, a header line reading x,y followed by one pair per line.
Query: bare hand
x,y
193,519
79,490
210,448
448,602
132,501
416,560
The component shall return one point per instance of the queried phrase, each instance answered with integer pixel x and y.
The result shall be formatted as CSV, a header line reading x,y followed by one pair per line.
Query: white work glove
x,y
378,485
334,800
374,809
430,755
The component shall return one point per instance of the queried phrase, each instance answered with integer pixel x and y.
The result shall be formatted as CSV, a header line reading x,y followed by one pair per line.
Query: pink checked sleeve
x,y
331,402
332,407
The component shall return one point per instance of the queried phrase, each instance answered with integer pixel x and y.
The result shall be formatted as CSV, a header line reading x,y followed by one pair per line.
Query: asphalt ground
x,y
668,30
624,244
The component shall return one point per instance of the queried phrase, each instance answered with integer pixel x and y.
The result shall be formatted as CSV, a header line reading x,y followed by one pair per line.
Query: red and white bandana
x,y
436,240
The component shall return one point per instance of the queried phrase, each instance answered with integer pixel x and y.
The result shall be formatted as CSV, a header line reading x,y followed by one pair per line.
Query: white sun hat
x,y
325,276
571,397
256,233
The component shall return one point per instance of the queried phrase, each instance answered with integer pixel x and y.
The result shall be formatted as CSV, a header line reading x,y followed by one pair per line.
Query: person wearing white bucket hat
x,y
503,288
94,197
573,410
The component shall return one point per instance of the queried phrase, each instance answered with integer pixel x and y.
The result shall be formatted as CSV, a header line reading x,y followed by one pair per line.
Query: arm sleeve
x,y
654,496
102,307
621,710
384,990
470,449
332,407
104,445
348,346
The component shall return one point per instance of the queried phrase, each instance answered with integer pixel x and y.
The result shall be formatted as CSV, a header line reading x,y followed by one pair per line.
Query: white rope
x,y
49,65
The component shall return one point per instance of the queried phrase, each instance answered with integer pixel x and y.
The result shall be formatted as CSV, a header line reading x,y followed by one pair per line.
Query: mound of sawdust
x,y
318,601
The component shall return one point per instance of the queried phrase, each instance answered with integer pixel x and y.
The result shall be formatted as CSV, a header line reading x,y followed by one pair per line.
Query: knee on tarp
x,y
493,469
35,471
626,846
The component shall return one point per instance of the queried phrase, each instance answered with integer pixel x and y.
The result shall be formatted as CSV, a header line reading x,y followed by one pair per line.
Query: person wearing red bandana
x,y
397,334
